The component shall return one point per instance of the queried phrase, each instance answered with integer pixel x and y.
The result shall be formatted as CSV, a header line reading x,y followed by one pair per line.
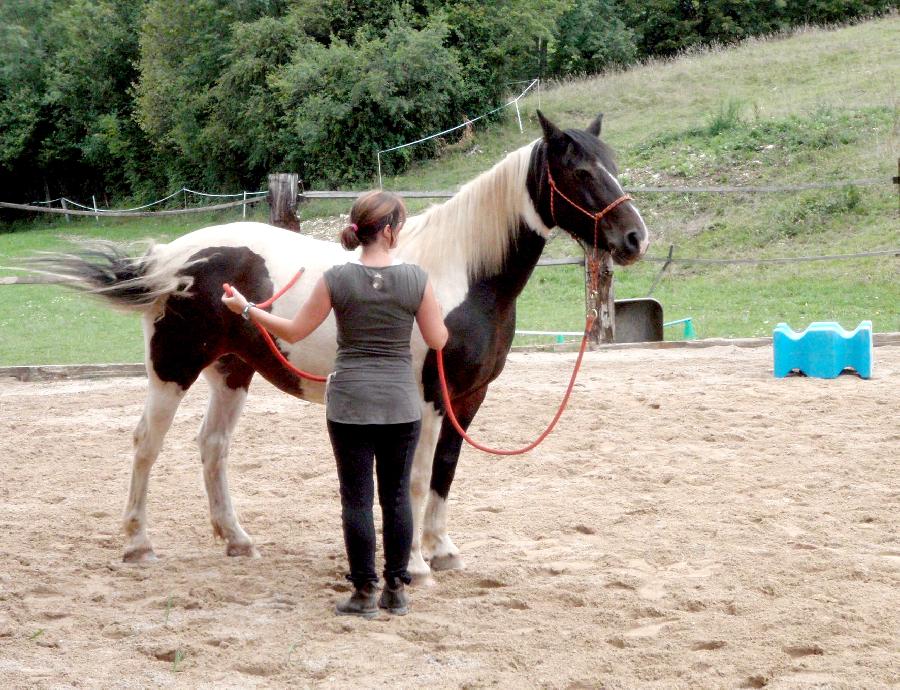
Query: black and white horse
x,y
479,248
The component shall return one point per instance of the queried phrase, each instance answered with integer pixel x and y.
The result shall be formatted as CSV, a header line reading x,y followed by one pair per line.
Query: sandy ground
x,y
693,522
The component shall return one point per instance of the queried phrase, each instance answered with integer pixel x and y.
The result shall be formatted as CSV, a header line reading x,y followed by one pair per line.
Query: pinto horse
x,y
479,248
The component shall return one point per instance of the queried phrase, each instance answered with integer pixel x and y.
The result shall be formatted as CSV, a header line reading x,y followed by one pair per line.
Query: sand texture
x,y
692,522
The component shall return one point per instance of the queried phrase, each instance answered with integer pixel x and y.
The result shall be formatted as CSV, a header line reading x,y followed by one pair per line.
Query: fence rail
x,y
579,261
423,194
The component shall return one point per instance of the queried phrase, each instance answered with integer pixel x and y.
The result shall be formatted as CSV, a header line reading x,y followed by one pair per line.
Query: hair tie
x,y
354,227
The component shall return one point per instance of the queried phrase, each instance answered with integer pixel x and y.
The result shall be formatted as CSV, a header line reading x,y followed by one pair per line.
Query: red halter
x,y
554,190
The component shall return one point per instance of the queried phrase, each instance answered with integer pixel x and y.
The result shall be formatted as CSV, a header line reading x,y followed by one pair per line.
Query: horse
x,y
479,249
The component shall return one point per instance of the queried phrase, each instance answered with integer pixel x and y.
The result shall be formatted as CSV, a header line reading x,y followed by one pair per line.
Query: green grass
x,y
815,106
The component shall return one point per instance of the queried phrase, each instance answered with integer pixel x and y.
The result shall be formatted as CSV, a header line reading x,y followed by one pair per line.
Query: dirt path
x,y
693,522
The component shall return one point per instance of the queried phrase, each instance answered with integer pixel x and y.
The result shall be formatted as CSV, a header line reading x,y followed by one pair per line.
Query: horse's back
x,y
274,245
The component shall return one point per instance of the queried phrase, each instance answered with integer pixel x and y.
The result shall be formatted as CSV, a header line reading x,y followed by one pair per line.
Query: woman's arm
x,y
430,320
308,318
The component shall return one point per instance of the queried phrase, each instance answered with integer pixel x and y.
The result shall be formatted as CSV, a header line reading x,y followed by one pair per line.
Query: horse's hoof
x,y
452,561
422,580
246,550
141,554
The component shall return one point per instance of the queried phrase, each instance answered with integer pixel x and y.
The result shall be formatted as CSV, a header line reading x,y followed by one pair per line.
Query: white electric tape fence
x,y
183,190
514,102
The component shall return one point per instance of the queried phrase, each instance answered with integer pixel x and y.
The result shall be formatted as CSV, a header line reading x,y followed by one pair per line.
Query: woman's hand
x,y
236,302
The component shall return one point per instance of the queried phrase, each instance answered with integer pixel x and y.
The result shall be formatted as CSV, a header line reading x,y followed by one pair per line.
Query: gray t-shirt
x,y
373,381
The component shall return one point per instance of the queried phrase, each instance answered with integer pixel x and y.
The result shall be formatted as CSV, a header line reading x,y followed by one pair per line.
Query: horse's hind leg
x,y
229,379
159,410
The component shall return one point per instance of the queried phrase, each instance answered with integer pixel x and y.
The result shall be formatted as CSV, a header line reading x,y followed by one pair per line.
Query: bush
x,y
343,103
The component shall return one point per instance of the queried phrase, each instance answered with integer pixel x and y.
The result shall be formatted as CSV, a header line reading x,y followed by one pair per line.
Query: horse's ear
x,y
551,131
594,127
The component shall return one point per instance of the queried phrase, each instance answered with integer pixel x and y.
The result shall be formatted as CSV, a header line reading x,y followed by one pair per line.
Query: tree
x,y
23,52
93,135
591,35
342,103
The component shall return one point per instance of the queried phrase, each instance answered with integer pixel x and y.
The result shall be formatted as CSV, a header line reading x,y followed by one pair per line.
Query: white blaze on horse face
x,y
645,237
611,177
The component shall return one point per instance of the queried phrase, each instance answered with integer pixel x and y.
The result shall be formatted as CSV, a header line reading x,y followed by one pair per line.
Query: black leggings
x,y
392,446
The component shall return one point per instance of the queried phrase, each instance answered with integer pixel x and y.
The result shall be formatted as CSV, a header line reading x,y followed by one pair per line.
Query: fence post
x,y
244,207
65,207
282,200
603,300
896,181
96,215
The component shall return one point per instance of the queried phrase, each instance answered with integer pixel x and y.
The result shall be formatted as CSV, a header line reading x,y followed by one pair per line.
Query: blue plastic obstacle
x,y
823,350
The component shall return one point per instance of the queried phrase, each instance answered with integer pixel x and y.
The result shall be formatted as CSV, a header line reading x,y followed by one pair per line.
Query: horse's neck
x,y
485,231
505,285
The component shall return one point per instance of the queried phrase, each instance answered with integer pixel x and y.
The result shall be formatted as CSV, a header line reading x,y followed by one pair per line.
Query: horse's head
x,y
577,190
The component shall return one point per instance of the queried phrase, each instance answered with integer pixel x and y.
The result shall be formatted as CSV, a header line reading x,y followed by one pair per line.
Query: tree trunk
x,y
282,200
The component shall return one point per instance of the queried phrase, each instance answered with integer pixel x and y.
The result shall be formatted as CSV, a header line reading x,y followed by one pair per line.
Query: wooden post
x,y
282,200
896,181
65,206
603,300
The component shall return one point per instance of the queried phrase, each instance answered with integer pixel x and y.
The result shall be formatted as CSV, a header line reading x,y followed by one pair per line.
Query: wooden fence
x,y
284,196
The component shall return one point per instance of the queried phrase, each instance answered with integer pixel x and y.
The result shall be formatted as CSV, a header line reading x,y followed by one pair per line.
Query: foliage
x,y
128,100
591,35
343,103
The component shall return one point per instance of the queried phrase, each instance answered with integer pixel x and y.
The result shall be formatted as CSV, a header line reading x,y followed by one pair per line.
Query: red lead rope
x,y
267,336
531,446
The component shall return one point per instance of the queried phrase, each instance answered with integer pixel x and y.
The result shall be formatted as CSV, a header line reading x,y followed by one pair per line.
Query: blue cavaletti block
x,y
823,350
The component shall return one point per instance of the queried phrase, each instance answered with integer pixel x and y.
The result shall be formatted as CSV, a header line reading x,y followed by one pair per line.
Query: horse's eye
x,y
584,175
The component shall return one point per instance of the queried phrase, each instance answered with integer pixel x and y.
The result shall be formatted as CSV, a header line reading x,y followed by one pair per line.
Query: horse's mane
x,y
474,229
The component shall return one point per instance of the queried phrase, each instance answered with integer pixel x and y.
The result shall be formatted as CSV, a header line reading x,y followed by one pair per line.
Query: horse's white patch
x,y
611,177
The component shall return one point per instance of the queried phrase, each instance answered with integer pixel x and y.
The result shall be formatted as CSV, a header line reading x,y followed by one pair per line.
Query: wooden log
x,y
602,300
283,201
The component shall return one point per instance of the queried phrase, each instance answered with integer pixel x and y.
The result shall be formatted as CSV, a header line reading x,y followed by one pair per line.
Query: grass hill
x,y
815,106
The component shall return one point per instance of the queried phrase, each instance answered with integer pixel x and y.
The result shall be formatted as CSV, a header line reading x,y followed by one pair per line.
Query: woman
x,y
371,402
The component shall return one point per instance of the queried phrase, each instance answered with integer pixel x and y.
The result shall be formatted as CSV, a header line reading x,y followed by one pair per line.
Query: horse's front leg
x,y
419,479
229,379
436,542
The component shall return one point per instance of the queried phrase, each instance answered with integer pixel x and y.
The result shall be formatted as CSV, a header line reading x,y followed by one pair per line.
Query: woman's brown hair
x,y
371,214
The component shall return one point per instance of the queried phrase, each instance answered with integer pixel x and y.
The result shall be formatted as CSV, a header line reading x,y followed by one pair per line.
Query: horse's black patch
x,y
196,329
481,328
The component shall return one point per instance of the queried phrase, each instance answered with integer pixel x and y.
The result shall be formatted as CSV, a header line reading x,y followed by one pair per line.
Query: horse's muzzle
x,y
630,246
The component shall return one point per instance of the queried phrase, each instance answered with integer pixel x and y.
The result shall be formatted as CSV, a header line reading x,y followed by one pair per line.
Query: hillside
x,y
816,106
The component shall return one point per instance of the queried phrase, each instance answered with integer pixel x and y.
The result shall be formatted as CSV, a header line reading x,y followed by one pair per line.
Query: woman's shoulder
x,y
413,269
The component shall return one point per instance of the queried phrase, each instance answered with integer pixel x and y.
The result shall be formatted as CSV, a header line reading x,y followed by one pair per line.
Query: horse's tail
x,y
111,270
